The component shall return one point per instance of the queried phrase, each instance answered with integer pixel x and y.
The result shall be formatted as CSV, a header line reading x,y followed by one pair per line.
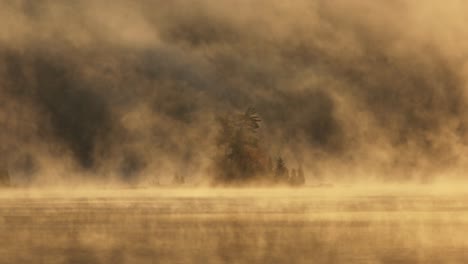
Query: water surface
x,y
233,226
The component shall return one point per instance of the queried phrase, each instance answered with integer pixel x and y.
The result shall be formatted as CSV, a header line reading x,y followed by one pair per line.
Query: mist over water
x,y
119,91
120,120
112,116
347,225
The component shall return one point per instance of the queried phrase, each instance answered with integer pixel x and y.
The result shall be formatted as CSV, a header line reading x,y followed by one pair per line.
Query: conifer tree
x,y
281,170
241,158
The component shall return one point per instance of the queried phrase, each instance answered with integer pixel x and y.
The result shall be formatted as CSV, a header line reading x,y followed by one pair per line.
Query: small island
x,y
242,159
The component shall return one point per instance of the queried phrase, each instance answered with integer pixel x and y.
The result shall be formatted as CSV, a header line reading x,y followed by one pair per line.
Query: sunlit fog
x,y
221,131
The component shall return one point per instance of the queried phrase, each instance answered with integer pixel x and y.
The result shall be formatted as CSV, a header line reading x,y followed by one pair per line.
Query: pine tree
x,y
241,158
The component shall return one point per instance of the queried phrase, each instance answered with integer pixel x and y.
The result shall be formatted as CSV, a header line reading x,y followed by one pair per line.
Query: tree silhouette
x,y
178,179
241,158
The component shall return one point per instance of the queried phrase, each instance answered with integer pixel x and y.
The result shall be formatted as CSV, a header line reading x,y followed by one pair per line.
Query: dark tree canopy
x,y
241,157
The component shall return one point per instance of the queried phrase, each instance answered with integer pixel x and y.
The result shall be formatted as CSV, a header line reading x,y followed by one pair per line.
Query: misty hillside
x,y
133,90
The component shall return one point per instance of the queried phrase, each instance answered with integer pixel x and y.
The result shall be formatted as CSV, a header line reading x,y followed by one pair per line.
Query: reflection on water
x,y
232,226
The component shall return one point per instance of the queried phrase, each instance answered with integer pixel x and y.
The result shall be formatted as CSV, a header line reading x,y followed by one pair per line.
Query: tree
x,y
178,179
281,171
297,177
240,157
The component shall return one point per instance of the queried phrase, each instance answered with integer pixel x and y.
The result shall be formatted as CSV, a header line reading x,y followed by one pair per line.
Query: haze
x,y
119,91
247,131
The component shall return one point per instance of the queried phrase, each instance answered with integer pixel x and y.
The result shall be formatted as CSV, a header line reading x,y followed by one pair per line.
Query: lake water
x,y
233,226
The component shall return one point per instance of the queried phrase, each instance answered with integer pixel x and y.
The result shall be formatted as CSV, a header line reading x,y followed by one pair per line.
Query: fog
x,y
130,91
248,225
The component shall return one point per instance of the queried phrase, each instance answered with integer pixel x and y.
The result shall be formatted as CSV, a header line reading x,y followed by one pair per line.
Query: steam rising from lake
x,y
345,225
